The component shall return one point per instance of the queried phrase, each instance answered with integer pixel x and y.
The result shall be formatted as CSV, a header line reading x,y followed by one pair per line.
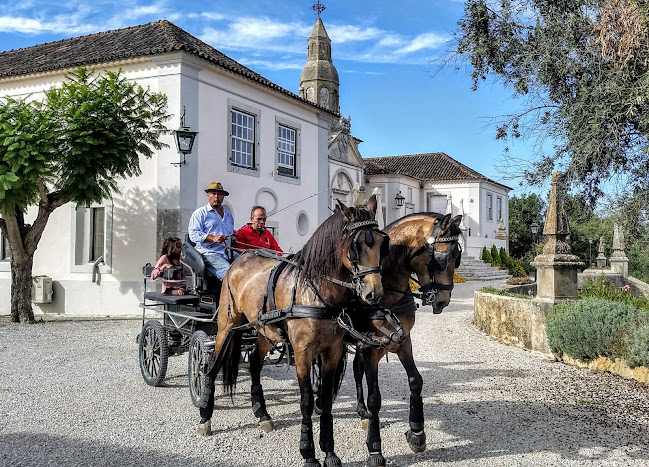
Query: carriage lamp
x,y
399,199
534,227
185,137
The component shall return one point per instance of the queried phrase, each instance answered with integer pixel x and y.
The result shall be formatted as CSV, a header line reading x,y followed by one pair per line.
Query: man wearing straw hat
x,y
210,227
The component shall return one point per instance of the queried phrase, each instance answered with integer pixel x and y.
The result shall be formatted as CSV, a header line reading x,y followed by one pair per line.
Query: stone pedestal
x,y
556,267
620,265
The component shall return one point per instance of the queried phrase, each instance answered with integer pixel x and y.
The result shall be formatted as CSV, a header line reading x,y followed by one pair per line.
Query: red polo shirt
x,y
252,239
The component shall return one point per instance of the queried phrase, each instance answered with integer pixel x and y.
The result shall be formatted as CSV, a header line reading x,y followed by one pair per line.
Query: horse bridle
x,y
366,227
437,261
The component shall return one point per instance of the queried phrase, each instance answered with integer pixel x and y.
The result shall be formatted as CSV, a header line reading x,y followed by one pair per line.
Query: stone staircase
x,y
473,269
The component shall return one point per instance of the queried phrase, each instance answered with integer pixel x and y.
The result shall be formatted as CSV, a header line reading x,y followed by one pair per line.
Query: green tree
x,y
523,211
580,67
73,146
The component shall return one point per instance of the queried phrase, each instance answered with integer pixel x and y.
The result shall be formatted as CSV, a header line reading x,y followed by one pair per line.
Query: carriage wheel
x,y
154,353
197,355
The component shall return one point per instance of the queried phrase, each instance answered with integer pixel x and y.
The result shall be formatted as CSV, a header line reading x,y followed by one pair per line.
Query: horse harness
x,y
437,261
329,311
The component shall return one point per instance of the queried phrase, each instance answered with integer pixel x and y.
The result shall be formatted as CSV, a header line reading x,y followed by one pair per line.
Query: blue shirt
x,y
206,221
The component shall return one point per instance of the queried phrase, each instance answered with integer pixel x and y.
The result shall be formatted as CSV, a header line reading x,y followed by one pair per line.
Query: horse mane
x,y
322,253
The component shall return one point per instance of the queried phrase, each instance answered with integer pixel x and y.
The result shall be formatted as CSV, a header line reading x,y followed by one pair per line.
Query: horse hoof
x,y
205,429
266,425
366,423
313,462
416,441
376,460
332,460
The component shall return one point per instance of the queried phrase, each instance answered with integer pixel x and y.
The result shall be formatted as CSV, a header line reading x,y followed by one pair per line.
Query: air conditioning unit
x,y
41,289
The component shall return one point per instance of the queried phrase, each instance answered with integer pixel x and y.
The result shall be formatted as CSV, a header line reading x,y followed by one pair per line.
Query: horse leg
x,y
307,448
361,408
330,359
207,397
373,441
415,436
256,392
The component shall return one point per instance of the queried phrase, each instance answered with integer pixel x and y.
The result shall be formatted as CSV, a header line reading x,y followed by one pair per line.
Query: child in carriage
x,y
170,258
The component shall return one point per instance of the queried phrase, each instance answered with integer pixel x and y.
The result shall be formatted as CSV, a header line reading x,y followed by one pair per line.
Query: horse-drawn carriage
x,y
187,323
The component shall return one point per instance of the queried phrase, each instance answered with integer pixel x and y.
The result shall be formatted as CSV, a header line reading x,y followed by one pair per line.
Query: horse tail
x,y
231,358
340,371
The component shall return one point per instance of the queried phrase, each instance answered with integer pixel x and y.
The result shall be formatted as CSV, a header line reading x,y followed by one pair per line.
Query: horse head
x,y
366,247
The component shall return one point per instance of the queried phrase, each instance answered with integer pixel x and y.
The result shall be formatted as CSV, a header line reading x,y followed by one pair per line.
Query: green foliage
x,y
486,256
523,211
79,141
516,269
504,258
601,288
638,256
495,257
562,59
635,343
589,328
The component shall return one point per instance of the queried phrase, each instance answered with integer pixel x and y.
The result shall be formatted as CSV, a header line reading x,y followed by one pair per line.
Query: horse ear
x,y
456,220
345,210
445,223
371,205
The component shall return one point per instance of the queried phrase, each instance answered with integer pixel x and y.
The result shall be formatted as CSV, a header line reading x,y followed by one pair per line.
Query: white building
x,y
292,153
266,145
435,182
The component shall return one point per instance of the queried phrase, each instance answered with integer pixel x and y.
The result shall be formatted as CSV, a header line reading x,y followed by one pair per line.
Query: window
x,y
286,150
242,143
91,237
499,208
490,214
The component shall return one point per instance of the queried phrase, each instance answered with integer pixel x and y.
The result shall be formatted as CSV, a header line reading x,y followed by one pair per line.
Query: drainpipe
x,y
95,268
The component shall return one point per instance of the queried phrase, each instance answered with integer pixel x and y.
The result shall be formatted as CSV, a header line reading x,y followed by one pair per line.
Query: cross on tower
x,y
318,8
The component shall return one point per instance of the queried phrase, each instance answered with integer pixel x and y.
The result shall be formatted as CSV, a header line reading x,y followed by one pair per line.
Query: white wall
x,y
167,190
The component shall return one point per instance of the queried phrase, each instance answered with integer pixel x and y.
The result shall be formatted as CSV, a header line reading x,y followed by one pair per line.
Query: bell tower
x,y
319,81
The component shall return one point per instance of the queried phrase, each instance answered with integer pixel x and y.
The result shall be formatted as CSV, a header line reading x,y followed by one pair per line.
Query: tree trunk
x,y
21,291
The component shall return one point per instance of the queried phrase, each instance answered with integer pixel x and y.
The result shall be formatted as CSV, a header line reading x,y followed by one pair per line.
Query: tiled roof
x,y
138,41
433,167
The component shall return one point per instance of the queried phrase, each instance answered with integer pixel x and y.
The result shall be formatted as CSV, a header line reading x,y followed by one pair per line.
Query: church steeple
x,y
319,81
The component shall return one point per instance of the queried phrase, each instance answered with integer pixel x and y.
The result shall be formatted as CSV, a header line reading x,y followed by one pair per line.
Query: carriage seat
x,y
190,256
171,299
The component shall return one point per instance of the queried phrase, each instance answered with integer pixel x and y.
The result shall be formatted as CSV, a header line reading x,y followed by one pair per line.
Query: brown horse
x,y
344,253
425,244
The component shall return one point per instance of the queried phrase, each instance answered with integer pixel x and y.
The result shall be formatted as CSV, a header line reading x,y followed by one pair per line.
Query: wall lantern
x,y
399,199
185,137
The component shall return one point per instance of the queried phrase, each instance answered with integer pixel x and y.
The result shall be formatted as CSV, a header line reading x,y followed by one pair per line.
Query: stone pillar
x,y
601,254
557,267
619,261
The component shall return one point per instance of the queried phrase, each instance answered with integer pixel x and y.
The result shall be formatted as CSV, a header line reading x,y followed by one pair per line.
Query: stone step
x,y
475,269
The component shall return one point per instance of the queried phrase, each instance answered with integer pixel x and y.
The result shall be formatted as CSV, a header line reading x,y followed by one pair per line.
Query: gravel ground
x,y
71,394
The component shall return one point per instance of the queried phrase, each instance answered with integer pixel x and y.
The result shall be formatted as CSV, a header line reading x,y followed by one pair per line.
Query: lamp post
x,y
534,228
185,137
590,252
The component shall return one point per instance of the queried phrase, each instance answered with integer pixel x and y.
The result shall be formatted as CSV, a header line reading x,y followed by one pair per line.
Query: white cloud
x,y
424,41
271,65
348,32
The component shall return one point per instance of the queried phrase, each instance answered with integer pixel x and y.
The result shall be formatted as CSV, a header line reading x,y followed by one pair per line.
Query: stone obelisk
x,y
556,266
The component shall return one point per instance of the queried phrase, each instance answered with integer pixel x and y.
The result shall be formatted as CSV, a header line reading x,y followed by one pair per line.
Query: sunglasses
x,y
260,219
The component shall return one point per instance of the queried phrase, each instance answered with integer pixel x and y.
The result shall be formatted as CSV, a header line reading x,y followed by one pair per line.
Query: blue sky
x,y
384,52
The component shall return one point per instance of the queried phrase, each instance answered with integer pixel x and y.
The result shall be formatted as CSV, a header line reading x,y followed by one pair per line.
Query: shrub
x,y
504,293
516,269
504,257
486,256
601,288
635,344
495,257
590,327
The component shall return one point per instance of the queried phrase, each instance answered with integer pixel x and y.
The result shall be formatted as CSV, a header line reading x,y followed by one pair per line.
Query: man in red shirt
x,y
254,234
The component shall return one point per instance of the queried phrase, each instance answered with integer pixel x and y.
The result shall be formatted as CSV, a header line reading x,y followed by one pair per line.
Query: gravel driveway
x,y
71,394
